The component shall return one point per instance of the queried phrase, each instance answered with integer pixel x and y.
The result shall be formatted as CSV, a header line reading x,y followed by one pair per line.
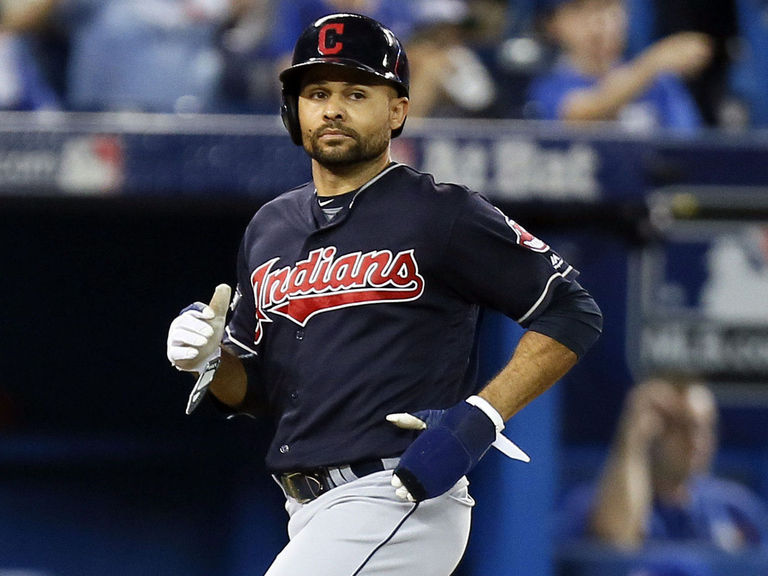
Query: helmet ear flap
x,y
289,112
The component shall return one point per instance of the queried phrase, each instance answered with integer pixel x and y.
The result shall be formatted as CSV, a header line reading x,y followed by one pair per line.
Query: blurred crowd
x,y
643,63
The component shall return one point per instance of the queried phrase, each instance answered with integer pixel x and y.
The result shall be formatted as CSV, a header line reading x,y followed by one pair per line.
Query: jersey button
x,y
294,395
284,449
299,334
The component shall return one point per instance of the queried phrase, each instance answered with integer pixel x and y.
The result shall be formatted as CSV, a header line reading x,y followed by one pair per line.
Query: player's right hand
x,y
452,442
194,336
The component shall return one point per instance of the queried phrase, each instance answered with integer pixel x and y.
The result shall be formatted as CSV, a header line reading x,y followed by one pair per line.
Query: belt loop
x,y
337,477
390,463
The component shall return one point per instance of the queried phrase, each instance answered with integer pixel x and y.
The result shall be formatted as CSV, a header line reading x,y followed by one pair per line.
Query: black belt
x,y
307,485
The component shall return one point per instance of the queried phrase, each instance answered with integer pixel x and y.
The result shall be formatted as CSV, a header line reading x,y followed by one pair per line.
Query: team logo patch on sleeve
x,y
525,238
323,282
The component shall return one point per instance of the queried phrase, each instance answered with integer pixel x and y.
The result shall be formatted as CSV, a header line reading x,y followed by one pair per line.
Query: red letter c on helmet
x,y
327,43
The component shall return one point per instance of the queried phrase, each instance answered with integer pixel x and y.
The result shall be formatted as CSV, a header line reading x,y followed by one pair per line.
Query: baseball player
x,y
353,324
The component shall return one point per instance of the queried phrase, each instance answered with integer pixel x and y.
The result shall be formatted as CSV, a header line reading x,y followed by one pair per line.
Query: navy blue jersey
x,y
375,311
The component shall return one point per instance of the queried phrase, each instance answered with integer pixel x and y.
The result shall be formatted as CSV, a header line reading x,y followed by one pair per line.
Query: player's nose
x,y
334,108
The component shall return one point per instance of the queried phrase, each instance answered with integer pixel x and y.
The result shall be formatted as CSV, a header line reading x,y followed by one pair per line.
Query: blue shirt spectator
x,y
593,82
721,513
666,103
657,484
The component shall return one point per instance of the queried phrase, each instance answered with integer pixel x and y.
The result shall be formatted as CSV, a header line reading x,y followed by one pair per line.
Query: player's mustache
x,y
336,128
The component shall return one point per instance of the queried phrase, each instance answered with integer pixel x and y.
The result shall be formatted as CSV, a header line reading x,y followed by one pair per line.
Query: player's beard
x,y
353,150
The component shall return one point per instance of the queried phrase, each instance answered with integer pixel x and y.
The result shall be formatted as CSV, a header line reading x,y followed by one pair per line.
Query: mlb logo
x,y
701,302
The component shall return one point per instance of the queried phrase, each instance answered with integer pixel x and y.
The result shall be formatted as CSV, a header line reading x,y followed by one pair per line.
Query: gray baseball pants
x,y
362,529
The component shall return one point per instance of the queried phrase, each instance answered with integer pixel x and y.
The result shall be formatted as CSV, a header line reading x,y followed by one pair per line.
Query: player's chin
x,y
335,154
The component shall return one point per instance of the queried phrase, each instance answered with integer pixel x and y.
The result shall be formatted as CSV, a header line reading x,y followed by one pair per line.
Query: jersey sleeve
x,y
572,317
238,340
239,333
495,262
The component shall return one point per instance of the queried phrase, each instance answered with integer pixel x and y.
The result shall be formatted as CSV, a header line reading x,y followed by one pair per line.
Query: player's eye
x,y
313,93
357,95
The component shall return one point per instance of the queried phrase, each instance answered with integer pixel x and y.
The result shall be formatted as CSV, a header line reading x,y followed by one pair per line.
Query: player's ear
x,y
398,110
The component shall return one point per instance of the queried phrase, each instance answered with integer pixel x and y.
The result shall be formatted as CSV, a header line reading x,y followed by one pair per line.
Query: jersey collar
x,y
317,212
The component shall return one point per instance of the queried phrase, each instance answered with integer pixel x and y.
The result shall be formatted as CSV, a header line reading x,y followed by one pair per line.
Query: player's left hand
x,y
453,442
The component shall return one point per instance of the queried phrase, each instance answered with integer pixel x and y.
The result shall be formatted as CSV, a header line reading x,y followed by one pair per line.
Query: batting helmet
x,y
349,40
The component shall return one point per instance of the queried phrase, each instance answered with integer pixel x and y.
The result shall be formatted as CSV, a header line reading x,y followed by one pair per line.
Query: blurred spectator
x,y
248,82
516,57
657,484
448,78
591,80
718,20
492,19
22,84
143,55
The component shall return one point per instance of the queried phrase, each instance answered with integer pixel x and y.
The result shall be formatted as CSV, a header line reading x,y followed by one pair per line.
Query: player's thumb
x,y
220,300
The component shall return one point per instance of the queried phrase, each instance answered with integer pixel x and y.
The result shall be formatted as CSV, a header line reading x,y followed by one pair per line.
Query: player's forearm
x,y
538,362
231,383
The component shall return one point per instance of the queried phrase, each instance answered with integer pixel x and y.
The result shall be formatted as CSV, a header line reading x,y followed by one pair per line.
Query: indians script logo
x,y
324,282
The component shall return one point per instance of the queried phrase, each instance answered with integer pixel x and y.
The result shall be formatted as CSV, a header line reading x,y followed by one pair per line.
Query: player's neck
x,y
335,180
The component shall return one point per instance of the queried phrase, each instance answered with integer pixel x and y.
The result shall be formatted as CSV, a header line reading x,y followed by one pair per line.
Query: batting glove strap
x,y
489,411
453,443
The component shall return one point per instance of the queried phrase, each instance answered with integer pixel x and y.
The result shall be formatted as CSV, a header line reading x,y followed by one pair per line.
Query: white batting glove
x,y
407,422
194,336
